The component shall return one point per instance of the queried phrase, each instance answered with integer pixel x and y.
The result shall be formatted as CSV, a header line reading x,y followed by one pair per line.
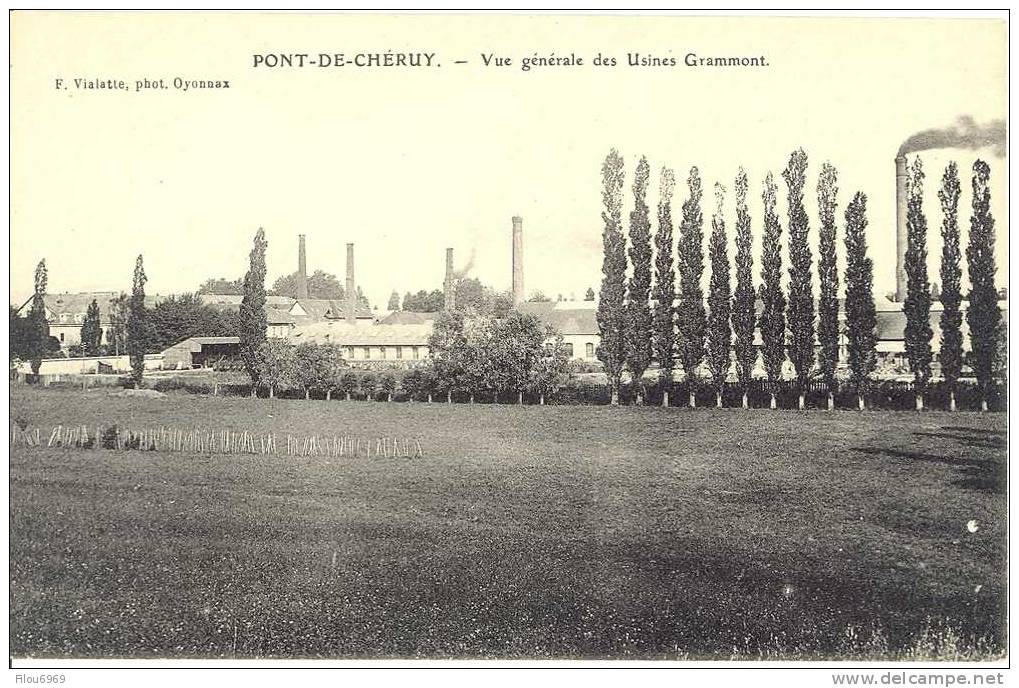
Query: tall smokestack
x,y
302,269
900,228
448,285
351,288
518,260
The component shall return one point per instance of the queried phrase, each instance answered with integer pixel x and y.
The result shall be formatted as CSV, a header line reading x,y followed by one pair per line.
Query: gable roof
x,y
566,318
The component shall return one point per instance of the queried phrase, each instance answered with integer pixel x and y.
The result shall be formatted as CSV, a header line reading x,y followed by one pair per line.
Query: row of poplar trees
x,y
91,332
641,320
982,314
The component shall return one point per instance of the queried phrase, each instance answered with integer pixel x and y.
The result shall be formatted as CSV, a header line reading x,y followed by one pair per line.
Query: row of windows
x,y
384,352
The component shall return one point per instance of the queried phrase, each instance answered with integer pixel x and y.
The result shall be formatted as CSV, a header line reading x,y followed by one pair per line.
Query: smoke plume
x,y
966,134
463,272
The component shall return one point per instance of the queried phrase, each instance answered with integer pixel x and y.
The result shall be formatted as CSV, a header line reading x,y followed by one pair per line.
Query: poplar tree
x,y
665,286
719,295
983,314
861,315
773,312
38,325
827,271
951,279
744,301
801,297
610,314
918,293
690,316
638,330
137,324
91,331
252,310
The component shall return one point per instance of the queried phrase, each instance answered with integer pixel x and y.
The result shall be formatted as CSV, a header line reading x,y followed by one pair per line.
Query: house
x,y
65,313
284,313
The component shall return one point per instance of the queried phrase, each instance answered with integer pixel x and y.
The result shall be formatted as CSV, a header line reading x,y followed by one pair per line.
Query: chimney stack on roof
x,y
518,260
302,269
449,285
351,289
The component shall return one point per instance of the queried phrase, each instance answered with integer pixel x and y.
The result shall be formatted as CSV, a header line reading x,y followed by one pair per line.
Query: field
x,y
536,532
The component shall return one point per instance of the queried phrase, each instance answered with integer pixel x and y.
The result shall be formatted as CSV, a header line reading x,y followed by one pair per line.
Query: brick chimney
x,y
449,285
302,269
518,260
351,289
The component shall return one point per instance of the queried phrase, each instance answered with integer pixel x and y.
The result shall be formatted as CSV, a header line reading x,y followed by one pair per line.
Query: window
x,y
61,336
367,353
382,352
414,352
350,352
399,352
569,349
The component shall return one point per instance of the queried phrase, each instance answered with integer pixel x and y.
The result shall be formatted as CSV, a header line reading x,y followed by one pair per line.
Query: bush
x,y
176,384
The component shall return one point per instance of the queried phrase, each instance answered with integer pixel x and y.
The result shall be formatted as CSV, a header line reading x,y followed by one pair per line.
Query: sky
x,y
404,162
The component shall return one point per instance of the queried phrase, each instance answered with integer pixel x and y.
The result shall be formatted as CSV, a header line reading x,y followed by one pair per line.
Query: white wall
x,y
74,366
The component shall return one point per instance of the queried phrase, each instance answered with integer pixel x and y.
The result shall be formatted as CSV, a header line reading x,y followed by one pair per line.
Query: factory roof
x,y
342,333
566,317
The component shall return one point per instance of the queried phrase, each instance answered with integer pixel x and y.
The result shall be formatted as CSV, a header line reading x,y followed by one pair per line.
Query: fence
x,y
204,441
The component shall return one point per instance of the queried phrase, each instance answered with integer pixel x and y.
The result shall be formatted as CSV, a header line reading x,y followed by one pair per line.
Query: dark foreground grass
x,y
566,532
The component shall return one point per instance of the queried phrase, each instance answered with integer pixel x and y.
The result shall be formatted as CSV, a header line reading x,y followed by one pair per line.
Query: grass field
x,y
565,532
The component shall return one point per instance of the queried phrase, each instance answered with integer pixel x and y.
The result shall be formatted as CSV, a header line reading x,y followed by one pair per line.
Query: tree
x,y
446,345
180,317
39,329
861,316
719,294
91,331
514,347
638,309
347,384
414,383
275,366
691,319
369,385
801,297
610,315
828,276
773,313
19,336
116,334
664,329
589,294
918,294
222,287
538,296
316,366
983,314
424,301
951,278
743,301
388,385
251,318
333,370
394,301
321,285
138,332
550,371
